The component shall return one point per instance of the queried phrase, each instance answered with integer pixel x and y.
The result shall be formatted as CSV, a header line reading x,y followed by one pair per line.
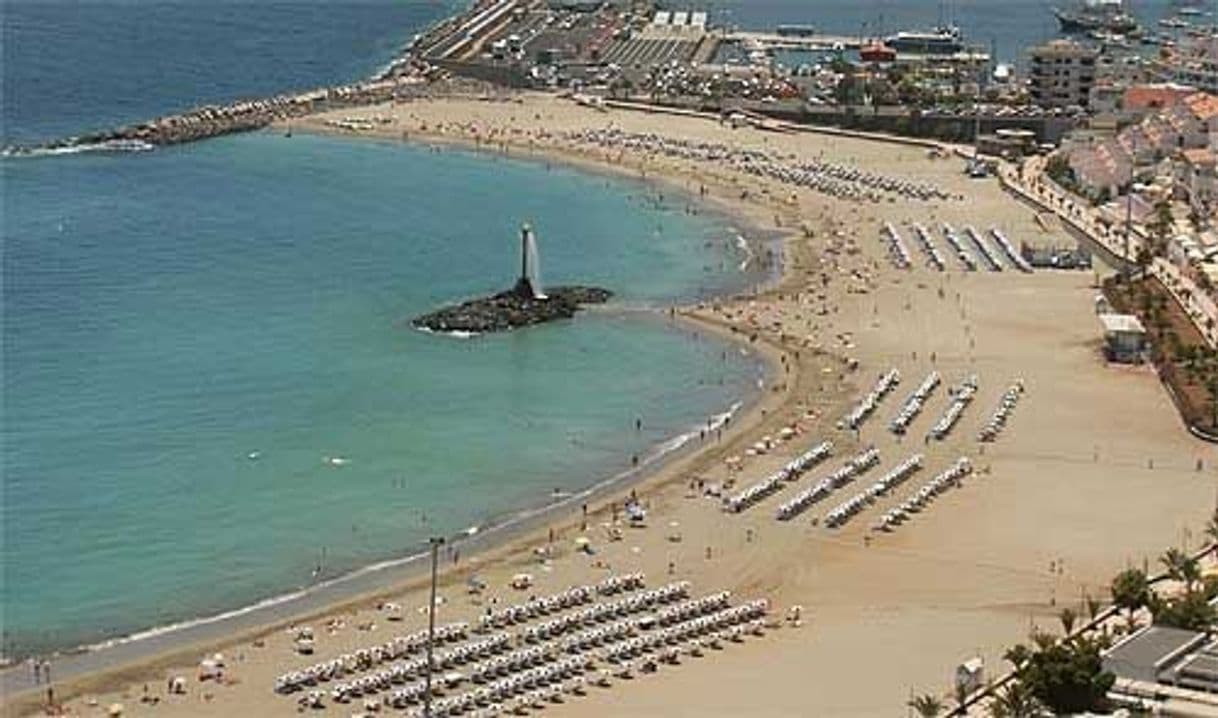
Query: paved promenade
x,y
1030,182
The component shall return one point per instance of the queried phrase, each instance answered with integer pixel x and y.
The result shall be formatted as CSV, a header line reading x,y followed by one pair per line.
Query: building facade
x,y
1062,73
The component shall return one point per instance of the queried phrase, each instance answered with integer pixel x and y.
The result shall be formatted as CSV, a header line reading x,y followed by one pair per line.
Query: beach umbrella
x,y
208,669
583,541
115,709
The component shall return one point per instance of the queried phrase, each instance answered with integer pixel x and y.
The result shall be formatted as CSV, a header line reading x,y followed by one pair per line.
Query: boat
x,y
1109,39
1101,15
943,43
943,40
877,52
796,31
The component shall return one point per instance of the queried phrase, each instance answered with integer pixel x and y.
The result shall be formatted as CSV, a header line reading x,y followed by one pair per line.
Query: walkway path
x,y
1030,183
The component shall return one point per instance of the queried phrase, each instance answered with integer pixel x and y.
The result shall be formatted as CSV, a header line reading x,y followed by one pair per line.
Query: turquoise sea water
x,y
169,314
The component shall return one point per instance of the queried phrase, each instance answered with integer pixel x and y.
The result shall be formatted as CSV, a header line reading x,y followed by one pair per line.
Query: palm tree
x,y
1093,607
927,706
1067,617
1181,567
1173,562
1211,530
1130,590
1211,387
1015,701
1017,655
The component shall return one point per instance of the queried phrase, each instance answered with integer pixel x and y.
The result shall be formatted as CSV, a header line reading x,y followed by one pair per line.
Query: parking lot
x,y
651,51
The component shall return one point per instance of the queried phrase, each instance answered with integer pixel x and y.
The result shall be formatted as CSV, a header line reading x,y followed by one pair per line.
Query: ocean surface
x,y
209,386
76,65
209,391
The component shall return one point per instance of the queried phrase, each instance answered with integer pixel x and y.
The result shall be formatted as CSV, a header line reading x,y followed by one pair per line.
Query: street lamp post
x,y
1133,175
436,542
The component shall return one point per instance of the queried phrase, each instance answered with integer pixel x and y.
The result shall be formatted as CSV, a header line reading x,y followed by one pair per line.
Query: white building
x,y
1197,180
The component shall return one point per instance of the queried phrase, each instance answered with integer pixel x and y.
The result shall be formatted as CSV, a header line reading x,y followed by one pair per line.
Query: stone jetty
x,y
215,120
407,77
520,306
517,307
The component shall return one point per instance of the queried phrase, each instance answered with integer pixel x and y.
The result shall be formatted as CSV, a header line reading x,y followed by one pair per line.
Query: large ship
x,y
1101,15
940,41
942,44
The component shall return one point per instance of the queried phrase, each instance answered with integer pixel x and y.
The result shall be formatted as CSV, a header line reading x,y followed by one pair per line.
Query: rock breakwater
x,y
215,120
517,307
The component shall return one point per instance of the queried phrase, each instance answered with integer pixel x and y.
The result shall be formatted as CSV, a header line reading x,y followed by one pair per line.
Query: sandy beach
x,y
1093,473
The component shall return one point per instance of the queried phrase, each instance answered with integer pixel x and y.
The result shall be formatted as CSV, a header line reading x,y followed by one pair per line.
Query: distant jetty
x,y
522,305
244,116
404,79
409,76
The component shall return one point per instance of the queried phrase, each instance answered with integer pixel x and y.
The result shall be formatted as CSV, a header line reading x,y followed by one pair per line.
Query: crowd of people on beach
x,y
961,397
791,471
836,179
998,420
950,477
853,468
913,405
593,633
871,401
851,507
962,254
901,258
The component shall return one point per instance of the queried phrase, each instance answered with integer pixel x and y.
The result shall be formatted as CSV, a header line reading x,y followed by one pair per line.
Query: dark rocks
x,y
516,307
241,116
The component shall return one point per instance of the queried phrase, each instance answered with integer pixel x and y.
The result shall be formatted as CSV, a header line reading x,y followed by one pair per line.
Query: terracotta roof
x,y
1141,97
1199,156
1203,105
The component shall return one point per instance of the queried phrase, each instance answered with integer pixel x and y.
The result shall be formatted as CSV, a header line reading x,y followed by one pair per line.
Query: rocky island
x,y
522,305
